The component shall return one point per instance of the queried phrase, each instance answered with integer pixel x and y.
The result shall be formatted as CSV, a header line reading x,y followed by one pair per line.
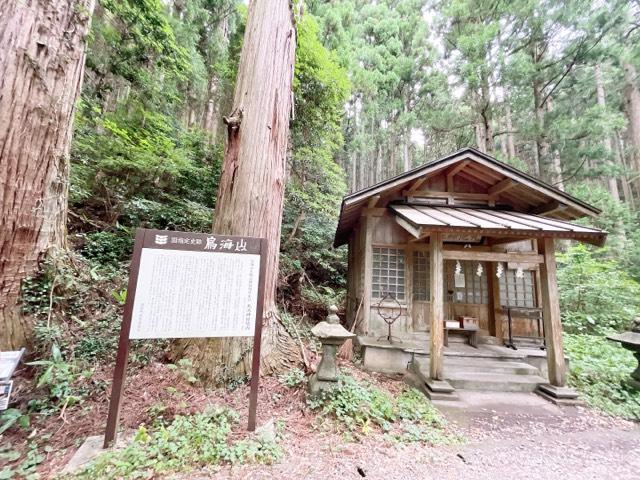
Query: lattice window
x,y
517,292
421,278
473,289
388,272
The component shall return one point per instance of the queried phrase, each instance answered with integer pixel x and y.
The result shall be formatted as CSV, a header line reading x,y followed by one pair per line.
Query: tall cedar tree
x,y
42,63
251,192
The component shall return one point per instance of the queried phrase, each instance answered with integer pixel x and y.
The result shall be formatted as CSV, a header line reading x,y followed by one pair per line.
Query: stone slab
x,y
563,396
410,378
558,392
386,360
438,386
566,402
90,449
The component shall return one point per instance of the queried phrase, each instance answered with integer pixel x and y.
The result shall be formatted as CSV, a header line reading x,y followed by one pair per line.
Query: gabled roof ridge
x,y
486,157
355,200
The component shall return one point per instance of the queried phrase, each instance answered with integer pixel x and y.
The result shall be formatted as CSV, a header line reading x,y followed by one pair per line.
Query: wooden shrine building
x,y
461,248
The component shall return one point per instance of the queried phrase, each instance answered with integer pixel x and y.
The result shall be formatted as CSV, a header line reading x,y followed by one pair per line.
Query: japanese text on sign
x,y
185,293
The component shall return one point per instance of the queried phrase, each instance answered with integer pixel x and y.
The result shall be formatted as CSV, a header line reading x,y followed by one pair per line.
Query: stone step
x,y
528,341
489,340
497,382
455,364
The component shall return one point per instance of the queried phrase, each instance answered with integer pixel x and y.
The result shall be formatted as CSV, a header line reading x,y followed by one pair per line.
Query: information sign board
x,y
188,285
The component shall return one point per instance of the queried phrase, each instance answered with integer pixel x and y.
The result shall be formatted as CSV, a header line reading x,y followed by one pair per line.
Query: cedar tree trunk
x,y
632,109
251,192
42,52
612,182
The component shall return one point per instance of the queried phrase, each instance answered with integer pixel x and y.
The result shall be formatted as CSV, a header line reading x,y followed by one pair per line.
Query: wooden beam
x,y
417,184
373,212
413,230
476,180
548,208
551,314
437,307
423,238
455,195
502,240
491,256
454,171
373,201
502,186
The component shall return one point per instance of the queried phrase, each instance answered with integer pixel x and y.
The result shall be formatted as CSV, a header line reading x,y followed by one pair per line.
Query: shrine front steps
x,y
484,374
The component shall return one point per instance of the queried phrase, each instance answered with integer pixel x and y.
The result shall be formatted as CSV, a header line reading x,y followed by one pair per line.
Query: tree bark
x,y
41,69
251,192
487,116
210,123
632,110
542,144
612,182
511,148
626,185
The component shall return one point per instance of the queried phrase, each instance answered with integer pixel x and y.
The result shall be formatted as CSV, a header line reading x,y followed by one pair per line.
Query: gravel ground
x,y
509,436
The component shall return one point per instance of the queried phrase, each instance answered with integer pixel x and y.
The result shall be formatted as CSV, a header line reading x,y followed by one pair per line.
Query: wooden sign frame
x,y
183,241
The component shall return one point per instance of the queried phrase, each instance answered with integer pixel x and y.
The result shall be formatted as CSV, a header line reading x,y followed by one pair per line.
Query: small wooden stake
x,y
120,372
257,340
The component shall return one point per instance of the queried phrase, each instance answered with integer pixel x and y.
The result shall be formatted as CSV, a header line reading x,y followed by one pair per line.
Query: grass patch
x,y
358,408
599,370
189,442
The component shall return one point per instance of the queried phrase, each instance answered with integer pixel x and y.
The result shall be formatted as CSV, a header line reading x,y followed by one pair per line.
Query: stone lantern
x,y
631,341
331,334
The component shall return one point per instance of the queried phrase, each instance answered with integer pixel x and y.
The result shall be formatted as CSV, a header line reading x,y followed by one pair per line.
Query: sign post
x,y
191,285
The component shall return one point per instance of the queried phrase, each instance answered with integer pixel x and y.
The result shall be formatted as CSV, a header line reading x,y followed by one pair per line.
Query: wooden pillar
x,y
551,312
437,307
368,271
408,286
495,307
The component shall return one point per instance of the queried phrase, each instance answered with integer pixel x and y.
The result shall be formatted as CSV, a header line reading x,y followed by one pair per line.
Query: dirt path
x,y
509,436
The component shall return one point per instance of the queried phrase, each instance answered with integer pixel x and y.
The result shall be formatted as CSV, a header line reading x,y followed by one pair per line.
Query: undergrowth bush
x,y
596,295
359,407
599,369
189,442
108,248
293,378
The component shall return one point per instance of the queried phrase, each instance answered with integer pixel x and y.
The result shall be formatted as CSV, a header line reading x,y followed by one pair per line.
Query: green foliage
x,y
35,294
595,295
356,406
26,469
123,158
359,407
189,442
140,34
293,378
12,416
108,248
138,156
60,377
185,368
616,217
599,369
317,183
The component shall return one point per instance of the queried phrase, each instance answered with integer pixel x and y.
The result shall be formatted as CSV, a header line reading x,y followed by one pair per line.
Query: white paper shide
x,y
185,294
